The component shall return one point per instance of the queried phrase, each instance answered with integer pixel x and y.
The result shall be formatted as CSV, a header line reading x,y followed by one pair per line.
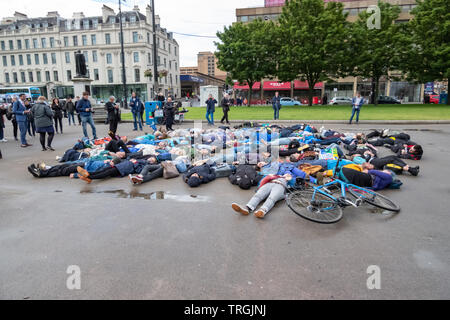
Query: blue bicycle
x,y
325,204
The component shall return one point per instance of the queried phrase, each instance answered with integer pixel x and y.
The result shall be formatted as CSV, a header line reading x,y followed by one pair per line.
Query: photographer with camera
x,y
113,109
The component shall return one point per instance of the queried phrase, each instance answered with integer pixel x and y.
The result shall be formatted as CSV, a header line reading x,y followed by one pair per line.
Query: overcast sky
x,y
199,17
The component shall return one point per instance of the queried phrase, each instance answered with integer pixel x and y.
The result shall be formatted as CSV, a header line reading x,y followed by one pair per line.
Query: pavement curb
x,y
386,122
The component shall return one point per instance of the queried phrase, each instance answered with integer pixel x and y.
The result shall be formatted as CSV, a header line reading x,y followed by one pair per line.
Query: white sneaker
x,y
4,140
58,158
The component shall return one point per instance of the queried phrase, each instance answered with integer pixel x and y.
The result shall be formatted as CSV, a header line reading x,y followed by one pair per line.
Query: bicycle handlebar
x,y
336,168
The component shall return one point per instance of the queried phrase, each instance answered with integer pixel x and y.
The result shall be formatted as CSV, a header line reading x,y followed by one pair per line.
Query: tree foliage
x,y
313,45
246,52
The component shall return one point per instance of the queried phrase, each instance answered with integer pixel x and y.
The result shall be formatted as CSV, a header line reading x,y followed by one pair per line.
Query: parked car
x,y
286,102
388,100
434,99
341,101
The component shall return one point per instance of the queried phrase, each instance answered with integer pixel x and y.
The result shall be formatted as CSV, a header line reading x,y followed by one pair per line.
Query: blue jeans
x,y
355,111
84,121
137,119
71,117
276,113
2,134
210,117
23,131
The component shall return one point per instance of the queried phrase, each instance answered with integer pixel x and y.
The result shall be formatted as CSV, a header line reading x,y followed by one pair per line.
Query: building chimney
x,y
51,14
136,8
106,12
148,12
78,15
157,20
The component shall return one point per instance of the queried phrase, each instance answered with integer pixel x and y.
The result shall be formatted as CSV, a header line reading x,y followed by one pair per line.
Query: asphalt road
x,y
163,240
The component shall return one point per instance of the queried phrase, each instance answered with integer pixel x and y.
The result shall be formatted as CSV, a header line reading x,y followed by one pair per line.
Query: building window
x,y
3,46
84,40
11,45
96,75
93,39
45,58
53,58
133,19
158,61
120,37
170,64
5,61
15,78
94,56
135,37
52,42
28,59
176,65
20,60
107,38
66,42
19,44
22,77
110,76
38,76
165,62
137,75
30,76
47,76
149,58
7,77
86,24
175,50
69,75
75,40
67,54
85,53
108,58
55,76
13,60
136,57
148,37
35,43
44,43
36,58
27,44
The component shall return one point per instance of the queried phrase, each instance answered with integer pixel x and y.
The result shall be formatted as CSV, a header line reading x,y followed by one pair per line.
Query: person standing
x,y
3,112
113,114
136,105
84,108
169,114
21,113
43,118
57,114
276,105
30,121
70,108
11,116
210,109
77,99
357,104
225,108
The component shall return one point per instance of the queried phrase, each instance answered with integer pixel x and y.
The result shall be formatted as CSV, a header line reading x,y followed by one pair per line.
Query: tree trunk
x,y
311,94
250,93
377,86
372,98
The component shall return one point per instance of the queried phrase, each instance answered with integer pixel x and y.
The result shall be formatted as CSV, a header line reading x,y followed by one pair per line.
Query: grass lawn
x,y
370,112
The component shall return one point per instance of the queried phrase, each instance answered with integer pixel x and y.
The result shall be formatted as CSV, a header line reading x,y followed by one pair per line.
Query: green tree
x,y
429,54
313,40
377,51
246,52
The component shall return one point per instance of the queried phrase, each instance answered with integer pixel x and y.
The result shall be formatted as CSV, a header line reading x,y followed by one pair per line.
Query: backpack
x,y
170,170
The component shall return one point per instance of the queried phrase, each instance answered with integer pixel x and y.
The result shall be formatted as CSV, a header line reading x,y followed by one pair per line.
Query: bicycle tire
x,y
300,203
375,199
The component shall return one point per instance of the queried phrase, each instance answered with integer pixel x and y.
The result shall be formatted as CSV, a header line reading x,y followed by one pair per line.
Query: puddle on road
x,y
158,195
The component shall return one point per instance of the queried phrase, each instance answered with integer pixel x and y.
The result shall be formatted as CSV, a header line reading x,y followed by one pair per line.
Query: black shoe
x,y
50,148
34,171
414,171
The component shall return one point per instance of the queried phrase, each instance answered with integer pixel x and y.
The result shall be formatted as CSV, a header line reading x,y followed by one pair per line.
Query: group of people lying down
x,y
271,158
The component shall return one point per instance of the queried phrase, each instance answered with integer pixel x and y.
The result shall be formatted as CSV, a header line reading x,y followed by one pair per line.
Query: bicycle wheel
x,y
374,199
324,209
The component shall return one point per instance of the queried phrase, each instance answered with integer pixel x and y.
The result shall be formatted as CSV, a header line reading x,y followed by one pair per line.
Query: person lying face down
x,y
199,174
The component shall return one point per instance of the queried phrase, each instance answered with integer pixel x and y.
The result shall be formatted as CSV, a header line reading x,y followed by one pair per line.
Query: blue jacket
x,y
361,103
82,105
276,102
18,109
211,105
136,105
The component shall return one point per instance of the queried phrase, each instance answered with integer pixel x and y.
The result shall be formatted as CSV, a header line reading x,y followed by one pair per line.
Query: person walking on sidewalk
x,y
57,115
70,108
21,113
276,105
357,104
225,108
210,109
43,119
84,108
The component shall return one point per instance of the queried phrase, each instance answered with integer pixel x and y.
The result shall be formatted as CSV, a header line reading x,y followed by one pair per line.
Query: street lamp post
x,y
155,53
122,55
